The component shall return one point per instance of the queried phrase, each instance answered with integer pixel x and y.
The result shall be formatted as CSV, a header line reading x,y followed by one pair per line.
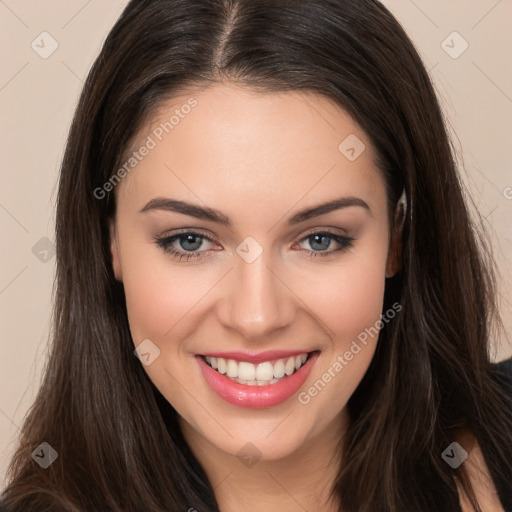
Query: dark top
x,y
503,370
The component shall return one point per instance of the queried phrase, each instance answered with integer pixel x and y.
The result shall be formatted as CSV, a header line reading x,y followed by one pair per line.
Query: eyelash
x,y
164,243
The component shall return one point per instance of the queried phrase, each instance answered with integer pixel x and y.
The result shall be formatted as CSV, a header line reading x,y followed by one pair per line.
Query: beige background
x,y
38,96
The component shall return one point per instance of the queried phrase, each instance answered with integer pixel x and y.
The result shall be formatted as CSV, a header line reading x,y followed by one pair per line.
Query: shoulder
x,y
501,372
475,463
479,476
503,369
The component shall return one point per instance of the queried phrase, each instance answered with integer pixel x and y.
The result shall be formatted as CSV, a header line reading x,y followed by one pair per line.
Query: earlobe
x,y
114,251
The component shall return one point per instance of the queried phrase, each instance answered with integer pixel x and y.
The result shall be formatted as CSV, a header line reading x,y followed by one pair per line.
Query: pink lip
x,y
242,395
261,357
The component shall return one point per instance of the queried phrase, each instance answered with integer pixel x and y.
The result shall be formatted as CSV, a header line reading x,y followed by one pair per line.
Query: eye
x,y
319,241
186,245
183,245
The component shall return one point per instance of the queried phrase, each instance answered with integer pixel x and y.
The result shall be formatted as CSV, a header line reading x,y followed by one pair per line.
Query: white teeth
x,y
232,368
259,374
221,365
265,371
246,371
289,367
279,369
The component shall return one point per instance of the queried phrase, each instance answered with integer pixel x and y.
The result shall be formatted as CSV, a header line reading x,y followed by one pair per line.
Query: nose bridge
x,y
256,302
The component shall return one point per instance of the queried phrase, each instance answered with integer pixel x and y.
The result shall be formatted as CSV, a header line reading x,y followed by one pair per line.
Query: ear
x,y
114,250
394,261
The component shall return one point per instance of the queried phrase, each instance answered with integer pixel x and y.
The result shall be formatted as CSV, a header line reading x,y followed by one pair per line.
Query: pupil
x,y
190,239
321,238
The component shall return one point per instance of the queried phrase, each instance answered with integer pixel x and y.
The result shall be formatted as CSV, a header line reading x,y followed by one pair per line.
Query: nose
x,y
256,301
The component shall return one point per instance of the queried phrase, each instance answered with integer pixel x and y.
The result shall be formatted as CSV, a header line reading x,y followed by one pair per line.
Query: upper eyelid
x,y
188,232
311,231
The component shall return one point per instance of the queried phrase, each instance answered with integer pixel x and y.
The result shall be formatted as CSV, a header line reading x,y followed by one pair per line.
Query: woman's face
x,y
272,276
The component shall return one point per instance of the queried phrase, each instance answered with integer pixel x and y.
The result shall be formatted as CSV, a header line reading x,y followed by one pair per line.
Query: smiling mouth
x,y
259,374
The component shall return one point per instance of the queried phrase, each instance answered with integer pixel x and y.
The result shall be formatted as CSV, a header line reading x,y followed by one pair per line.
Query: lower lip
x,y
256,396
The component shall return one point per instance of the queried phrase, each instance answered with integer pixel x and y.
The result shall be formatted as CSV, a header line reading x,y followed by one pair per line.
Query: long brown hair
x,y
119,444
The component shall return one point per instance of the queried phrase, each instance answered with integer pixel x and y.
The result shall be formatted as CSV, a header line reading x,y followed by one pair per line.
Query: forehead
x,y
239,142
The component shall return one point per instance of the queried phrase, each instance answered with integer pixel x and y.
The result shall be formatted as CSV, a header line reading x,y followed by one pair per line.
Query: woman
x,y
258,200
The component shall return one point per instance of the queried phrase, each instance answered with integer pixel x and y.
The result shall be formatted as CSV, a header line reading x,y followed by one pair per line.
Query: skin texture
x,y
259,158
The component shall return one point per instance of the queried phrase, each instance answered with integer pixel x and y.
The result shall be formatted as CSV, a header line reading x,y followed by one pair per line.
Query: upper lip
x,y
260,357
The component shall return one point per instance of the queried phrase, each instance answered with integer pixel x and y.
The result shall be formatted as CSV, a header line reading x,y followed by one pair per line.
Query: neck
x,y
300,481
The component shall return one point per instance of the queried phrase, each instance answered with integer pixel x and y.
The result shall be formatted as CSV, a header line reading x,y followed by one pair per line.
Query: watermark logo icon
x,y
454,45
454,455
45,455
44,45
249,250
249,455
352,147
44,250
147,352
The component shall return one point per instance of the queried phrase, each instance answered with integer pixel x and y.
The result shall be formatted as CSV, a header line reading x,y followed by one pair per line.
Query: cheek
x,y
352,310
348,300
360,305
353,300
347,296
158,293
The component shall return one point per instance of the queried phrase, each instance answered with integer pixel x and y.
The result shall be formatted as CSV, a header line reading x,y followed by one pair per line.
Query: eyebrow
x,y
213,215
